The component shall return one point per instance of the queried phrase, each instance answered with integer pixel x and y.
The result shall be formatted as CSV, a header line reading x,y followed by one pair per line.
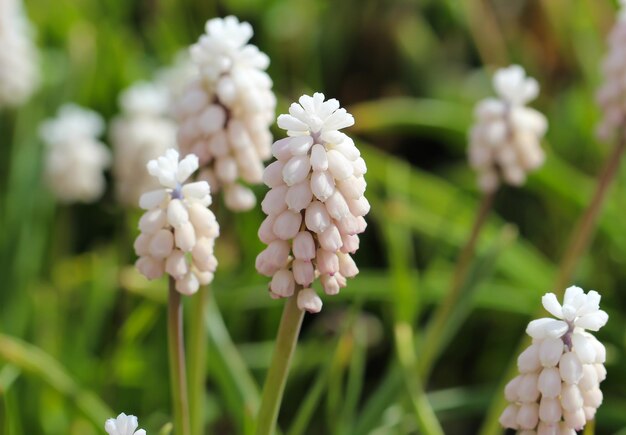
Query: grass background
x,y
83,336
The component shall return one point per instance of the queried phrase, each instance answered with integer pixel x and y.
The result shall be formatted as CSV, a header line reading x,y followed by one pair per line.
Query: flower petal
x,y
551,304
583,348
593,321
546,327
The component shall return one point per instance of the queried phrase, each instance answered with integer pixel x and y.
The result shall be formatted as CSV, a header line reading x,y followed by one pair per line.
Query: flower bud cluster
x,y
123,425
315,206
505,141
75,158
558,389
19,71
178,231
142,132
225,113
612,95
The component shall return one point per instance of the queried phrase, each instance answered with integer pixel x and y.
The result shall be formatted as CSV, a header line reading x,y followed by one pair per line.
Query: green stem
x,y
274,387
176,350
436,326
579,241
426,418
198,361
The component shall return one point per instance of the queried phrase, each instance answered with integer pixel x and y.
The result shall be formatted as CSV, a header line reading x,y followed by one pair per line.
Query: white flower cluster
x,y
315,206
558,389
178,231
123,425
19,73
612,95
225,113
142,132
505,141
75,158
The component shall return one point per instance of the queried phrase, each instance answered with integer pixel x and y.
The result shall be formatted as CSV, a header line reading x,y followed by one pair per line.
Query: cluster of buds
x,y
178,231
225,113
558,389
19,74
505,141
315,206
75,158
612,95
123,425
142,132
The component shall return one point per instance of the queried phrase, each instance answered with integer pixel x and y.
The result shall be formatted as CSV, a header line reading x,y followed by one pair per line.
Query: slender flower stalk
x,y
285,347
198,342
176,351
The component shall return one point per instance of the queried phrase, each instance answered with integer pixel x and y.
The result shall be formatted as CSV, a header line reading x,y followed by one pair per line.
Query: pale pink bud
x,y
549,410
330,239
142,244
304,246
319,160
330,284
316,217
280,149
177,213
593,397
152,221
283,283
176,264
296,170
590,412
202,254
303,272
601,371
350,243
349,225
273,257
238,197
528,416
322,185
212,119
300,145
266,233
150,267
570,368
161,244
299,196
309,300
359,207
549,383
338,165
341,280
203,220
273,174
152,199
511,388
226,169
527,388
575,420
359,166
287,225
274,201
188,284
238,136
218,145
548,429
185,236
528,360
509,416
337,206
550,351
352,187
571,399
589,379
347,266
327,262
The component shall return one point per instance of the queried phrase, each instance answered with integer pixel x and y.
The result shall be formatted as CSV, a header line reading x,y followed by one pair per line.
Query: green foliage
x,y
83,335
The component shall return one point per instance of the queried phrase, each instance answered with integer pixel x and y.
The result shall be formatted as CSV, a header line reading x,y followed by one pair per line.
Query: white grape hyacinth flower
x,y
75,159
505,142
142,132
123,425
558,389
226,111
178,231
315,205
19,69
612,95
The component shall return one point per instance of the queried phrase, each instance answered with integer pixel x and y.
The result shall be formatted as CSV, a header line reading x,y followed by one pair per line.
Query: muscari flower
x,y
505,141
612,95
123,425
19,70
558,389
225,112
315,205
142,132
75,159
178,231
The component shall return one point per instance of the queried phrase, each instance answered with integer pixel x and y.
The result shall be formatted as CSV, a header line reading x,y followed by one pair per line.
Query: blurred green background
x,y
83,335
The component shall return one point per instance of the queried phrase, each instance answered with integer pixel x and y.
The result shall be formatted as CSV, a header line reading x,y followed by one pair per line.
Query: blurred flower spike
x,y
226,111
505,142
75,158
178,231
315,205
123,425
558,389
